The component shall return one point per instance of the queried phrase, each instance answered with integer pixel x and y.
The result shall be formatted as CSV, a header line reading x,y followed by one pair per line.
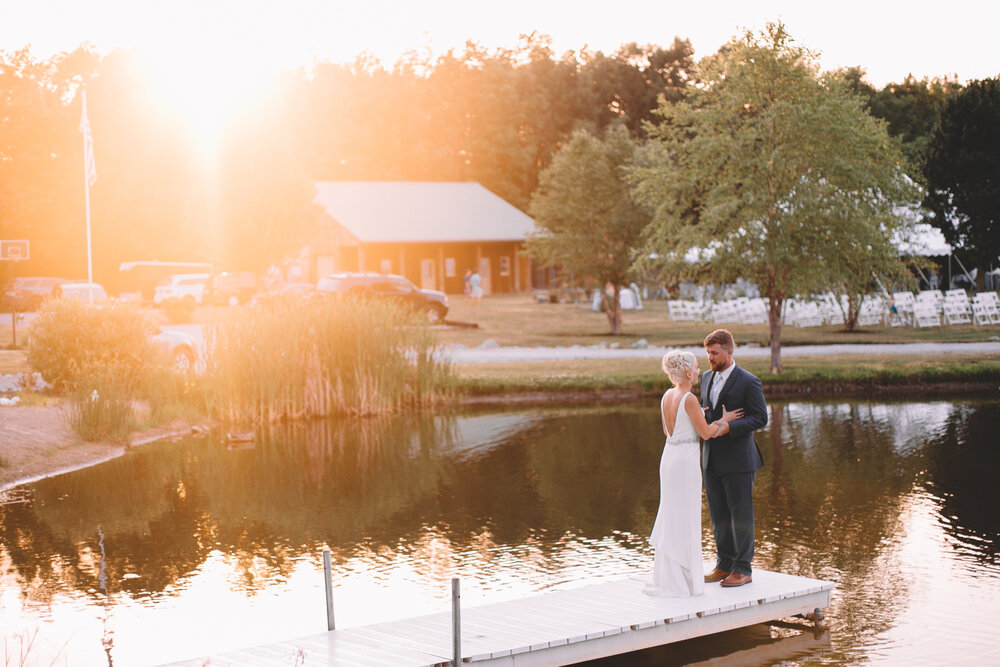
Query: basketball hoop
x,y
14,251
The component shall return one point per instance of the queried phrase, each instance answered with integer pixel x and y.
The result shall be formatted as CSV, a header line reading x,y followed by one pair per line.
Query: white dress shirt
x,y
719,382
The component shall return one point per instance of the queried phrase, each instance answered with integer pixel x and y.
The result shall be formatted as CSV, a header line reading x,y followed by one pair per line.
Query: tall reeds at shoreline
x,y
292,360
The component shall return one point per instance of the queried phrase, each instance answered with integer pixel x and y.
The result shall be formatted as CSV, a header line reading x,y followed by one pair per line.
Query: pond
x,y
185,548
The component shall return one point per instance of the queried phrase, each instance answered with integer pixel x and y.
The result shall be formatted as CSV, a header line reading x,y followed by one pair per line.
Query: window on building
x,y
449,267
505,266
385,266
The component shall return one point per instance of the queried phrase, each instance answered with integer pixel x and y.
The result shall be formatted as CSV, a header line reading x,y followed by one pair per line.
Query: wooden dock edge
x,y
637,639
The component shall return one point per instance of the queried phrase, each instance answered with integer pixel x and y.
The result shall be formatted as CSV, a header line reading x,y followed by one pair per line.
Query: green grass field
x,y
517,319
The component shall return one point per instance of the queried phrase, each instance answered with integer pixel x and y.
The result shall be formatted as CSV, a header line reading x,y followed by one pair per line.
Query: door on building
x,y
428,280
484,272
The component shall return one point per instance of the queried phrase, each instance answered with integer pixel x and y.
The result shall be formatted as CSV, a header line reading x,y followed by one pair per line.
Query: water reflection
x,y
190,547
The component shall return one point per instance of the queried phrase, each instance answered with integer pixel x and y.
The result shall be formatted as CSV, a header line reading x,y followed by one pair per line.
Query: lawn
x,y
520,320
517,319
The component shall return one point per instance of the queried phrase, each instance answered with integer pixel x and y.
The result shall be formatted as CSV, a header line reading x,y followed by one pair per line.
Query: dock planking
x,y
551,628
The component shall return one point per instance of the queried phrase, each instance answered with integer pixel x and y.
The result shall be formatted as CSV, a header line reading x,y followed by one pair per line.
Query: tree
x,y
962,172
911,109
589,223
627,84
770,172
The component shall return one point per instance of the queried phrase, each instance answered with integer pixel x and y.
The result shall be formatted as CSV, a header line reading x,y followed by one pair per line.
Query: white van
x,y
82,292
189,286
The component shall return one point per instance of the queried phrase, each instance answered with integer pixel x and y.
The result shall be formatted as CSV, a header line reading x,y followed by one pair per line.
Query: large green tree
x,y
771,172
589,223
962,173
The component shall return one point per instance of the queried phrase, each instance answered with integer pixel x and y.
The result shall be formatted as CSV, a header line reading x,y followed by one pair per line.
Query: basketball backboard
x,y
14,250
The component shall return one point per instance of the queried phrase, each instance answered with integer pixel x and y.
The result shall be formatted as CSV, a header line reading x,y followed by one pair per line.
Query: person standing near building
x,y
475,286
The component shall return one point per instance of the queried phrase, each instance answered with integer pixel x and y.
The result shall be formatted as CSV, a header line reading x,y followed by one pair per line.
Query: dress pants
x,y
730,504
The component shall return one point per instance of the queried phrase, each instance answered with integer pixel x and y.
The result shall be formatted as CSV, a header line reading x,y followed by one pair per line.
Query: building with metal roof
x,y
430,232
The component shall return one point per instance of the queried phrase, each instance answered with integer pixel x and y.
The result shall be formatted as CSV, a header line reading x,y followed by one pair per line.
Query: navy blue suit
x,y
729,464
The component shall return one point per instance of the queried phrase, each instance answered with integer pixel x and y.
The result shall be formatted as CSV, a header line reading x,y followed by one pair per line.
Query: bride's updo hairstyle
x,y
679,365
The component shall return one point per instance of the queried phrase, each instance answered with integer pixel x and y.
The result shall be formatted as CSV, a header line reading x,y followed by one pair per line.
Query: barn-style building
x,y
430,232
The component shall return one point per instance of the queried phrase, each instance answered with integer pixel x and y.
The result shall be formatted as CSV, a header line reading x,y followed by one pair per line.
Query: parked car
x,y
231,289
26,294
287,292
82,292
432,303
189,286
180,347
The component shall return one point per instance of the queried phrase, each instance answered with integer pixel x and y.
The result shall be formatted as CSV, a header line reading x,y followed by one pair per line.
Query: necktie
x,y
716,388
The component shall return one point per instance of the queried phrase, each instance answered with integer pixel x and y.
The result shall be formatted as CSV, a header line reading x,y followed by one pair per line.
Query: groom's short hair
x,y
722,338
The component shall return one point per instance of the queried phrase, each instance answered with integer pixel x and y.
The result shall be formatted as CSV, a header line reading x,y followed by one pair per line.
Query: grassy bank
x,y
815,375
517,319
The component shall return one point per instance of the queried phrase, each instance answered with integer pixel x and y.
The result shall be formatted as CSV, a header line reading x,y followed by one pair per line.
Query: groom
x,y
729,461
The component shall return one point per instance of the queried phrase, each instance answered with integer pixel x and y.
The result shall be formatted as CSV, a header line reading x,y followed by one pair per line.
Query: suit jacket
x,y
736,451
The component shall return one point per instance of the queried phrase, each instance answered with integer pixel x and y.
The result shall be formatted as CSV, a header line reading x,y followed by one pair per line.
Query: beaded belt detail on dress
x,y
692,441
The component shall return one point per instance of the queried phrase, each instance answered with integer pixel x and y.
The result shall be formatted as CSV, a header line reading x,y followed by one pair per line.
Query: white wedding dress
x,y
676,534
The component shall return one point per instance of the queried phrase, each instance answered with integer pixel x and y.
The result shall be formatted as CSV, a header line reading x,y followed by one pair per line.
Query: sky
x,y
888,39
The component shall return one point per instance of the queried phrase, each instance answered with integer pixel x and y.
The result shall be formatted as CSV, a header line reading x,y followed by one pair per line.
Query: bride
x,y
676,534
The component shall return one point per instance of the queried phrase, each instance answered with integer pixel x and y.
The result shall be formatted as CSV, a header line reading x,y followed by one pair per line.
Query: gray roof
x,y
394,212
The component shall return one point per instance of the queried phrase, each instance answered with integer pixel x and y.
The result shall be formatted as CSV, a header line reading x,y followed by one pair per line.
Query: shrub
x,y
179,311
71,344
171,394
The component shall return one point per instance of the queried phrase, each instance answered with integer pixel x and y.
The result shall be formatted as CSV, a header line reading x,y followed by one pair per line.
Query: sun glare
x,y
207,83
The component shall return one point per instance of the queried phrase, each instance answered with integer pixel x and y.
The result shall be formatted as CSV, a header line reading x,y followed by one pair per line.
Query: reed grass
x,y
293,361
103,408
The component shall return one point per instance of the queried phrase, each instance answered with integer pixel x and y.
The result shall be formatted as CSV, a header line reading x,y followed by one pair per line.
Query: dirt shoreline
x,y
36,442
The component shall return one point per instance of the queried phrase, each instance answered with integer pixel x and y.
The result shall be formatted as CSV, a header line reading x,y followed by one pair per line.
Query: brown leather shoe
x,y
736,579
716,575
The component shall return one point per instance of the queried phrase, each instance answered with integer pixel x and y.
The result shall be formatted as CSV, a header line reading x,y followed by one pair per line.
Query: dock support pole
x,y
328,583
456,623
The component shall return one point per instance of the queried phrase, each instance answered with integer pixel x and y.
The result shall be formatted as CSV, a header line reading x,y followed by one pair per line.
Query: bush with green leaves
x,y
73,344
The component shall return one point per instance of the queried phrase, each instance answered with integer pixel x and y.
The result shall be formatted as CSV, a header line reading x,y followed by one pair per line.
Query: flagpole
x,y
88,147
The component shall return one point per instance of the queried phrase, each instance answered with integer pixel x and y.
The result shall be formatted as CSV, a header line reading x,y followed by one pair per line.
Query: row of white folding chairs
x,y
686,311
742,310
956,308
927,308
830,310
933,307
802,313
986,308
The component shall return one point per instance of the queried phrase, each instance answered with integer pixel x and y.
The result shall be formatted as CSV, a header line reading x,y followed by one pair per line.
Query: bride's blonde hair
x,y
678,364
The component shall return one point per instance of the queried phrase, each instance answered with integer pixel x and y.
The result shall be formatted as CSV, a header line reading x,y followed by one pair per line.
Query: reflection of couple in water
x,y
730,409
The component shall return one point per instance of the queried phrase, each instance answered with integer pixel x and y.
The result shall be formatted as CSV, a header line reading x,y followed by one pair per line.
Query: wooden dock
x,y
552,628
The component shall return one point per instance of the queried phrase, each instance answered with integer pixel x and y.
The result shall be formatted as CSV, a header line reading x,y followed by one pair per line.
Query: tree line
x,y
492,116
773,171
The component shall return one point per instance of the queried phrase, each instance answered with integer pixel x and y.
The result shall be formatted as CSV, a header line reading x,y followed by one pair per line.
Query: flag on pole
x,y
89,166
